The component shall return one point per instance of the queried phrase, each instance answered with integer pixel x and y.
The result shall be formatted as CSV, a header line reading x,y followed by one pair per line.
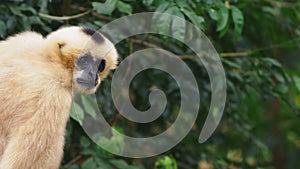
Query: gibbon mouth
x,y
87,84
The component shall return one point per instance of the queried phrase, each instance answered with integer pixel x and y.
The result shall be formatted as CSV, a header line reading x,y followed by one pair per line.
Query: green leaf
x,y
178,26
85,142
148,2
73,166
282,88
77,113
89,164
105,8
197,20
95,163
124,8
15,10
162,24
88,152
121,164
213,14
297,82
26,23
35,20
28,8
118,129
279,77
11,22
163,7
231,64
166,162
2,29
238,20
167,21
223,17
116,142
88,107
272,62
182,4
224,31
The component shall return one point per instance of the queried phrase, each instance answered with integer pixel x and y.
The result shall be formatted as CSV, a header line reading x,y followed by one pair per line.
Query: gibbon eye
x,y
84,61
101,66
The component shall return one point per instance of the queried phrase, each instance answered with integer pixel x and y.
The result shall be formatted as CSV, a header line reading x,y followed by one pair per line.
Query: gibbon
x,y
38,77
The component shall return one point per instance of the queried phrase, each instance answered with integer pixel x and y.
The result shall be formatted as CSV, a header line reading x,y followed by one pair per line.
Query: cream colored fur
x,y
36,81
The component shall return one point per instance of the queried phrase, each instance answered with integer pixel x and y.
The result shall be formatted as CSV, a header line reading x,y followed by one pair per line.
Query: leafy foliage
x,y
260,125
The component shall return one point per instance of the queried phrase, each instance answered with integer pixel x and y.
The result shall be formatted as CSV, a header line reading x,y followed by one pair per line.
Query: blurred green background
x,y
258,41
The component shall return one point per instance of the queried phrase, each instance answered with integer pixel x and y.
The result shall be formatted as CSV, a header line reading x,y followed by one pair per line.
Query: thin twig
x,y
64,18
80,8
73,161
144,43
101,16
230,54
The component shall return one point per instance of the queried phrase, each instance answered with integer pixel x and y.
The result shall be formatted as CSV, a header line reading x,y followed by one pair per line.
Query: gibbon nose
x,y
93,77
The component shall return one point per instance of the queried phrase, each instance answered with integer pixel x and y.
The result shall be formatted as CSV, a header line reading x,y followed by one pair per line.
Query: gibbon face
x,y
87,53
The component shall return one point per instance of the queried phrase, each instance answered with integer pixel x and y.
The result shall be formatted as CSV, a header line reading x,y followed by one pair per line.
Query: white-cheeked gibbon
x,y
38,76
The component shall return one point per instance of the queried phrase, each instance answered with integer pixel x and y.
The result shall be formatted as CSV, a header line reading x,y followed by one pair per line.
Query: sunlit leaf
x,y
166,162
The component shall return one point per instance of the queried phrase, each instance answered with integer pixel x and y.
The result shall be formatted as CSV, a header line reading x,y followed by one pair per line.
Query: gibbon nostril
x,y
96,80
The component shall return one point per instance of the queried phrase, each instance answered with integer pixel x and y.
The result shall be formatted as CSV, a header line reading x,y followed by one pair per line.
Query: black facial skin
x,y
91,68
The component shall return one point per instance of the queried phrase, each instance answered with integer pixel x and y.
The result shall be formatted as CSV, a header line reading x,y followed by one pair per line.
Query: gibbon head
x,y
86,52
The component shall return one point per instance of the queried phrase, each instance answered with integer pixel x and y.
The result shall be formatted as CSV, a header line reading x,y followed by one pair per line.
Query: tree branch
x,y
73,161
64,18
230,54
